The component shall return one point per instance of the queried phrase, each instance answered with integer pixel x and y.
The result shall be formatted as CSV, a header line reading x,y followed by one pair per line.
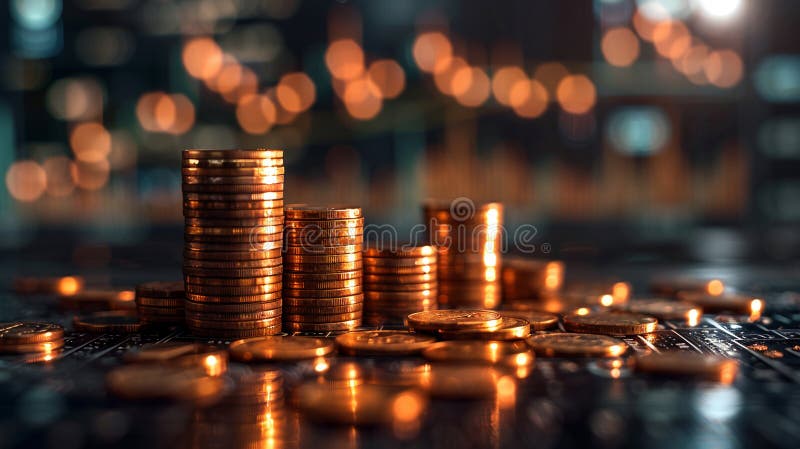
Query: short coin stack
x,y
160,303
233,207
42,341
322,269
398,281
468,238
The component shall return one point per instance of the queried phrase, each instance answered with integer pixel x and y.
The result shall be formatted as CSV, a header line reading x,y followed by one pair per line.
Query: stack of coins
x,y
468,239
233,206
398,281
529,280
322,269
21,337
160,303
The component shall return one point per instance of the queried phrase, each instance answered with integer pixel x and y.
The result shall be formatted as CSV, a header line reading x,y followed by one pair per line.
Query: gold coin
x,y
152,381
688,364
23,333
259,263
665,309
382,342
280,348
399,251
266,297
159,302
256,172
318,267
233,250
64,285
576,345
107,322
610,323
425,286
400,271
321,293
510,329
213,361
238,316
236,333
453,319
315,244
476,351
402,279
322,310
231,282
230,273
539,321
247,307
325,277
321,327
306,212
160,289
352,224
47,347
232,324
361,405
316,318
246,290
320,250
323,302
230,189
232,180
189,162
274,215
236,197
321,285
234,239
387,262
310,232
460,381
726,302
260,153
322,259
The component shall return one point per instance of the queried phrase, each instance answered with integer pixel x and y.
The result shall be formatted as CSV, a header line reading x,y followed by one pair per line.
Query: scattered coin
x,y
611,323
576,345
539,321
24,333
119,322
510,328
213,361
280,348
725,302
665,309
476,351
382,342
435,320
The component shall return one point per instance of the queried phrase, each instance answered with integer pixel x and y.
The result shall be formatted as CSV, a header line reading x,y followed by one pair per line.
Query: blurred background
x,y
608,124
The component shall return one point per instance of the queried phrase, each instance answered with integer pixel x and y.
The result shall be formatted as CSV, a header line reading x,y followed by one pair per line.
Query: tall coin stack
x,y
322,269
468,238
398,281
233,209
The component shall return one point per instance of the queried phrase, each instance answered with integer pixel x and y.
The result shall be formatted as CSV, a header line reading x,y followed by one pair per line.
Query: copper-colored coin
x,y
63,285
246,290
341,276
231,163
222,264
48,347
266,297
325,293
726,302
238,316
314,318
99,299
234,324
274,216
314,243
510,329
274,231
387,262
539,321
227,223
306,212
236,197
154,381
454,319
399,278
399,287
289,265
232,180
248,307
322,310
234,205
160,302
254,239
232,188
232,282
270,349
461,381
320,250
23,333
160,289
475,351
611,323
399,251
322,259
108,322
260,153
321,327
665,309
306,301
688,364
371,295
576,345
255,172
310,231
673,285
382,342
229,273
236,333
355,224
363,405
321,285
400,271
219,250
214,361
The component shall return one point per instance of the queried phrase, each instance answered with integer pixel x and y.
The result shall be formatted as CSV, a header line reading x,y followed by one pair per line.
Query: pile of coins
x,y
468,238
322,266
233,207
160,303
40,341
397,282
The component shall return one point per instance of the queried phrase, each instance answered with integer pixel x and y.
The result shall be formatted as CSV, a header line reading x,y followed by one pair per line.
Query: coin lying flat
x,y
611,323
24,333
475,351
576,345
510,328
726,302
539,321
382,342
213,361
305,212
111,322
399,251
260,154
362,405
29,348
153,381
688,364
665,309
434,320
280,348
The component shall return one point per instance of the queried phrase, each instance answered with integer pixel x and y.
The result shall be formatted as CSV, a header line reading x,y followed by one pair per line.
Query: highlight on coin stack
x,y
468,240
233,210
322,277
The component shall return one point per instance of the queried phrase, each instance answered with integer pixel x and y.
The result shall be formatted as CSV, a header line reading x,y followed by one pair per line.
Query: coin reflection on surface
x,y
576,345
461,382
474,351
685,364
162,382
189,355
361,405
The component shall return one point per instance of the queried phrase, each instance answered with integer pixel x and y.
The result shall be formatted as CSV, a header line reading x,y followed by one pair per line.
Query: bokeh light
x,y
724,68
255,113
529,98
478,89
388,77
432,51
75,99
671,39
90,176
59,176
296,92
444,77
620,46
345,59
576,94
90,142
26,180
202,58
502,82
638,130
362,99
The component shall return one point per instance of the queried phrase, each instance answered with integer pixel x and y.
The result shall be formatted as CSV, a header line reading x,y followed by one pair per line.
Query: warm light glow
x,y
91,176
529,98
165,112
388,77
68,286
644,26
90,142
620,46
724,68
671,39
606,300
720,9
621,291
296,92
202,58
502,82
582,311
248,85
506,391
444,77
576,94
362,99
212,365
715,287
321,365
59,179
693,60
184,115
145,110
478,89
756,307
345,59
255,114
693,317
407,407
26,180
432,52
